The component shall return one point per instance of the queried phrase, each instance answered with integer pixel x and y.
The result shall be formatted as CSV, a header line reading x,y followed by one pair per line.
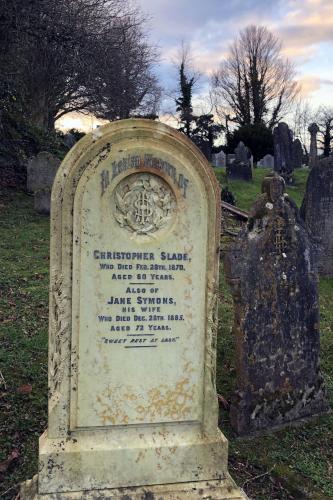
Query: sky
x,y
208,27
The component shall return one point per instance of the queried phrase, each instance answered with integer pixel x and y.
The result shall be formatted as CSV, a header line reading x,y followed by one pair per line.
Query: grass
x,y
292,463
245,192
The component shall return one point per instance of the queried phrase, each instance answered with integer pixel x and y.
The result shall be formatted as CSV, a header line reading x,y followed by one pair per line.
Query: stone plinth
x,y
225,489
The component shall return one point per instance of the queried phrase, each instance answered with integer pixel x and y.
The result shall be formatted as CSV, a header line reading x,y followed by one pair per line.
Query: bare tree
x,y
128,84
254,81
324,119
73,55
301,117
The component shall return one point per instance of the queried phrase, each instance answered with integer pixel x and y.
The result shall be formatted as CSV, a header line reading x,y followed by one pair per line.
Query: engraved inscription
x,y
143,203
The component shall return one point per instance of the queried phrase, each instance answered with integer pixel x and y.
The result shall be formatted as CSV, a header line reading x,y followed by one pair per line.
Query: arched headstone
x,y
135,228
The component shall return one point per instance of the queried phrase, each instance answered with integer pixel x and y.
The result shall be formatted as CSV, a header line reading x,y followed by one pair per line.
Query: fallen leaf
x,y
6,463
223,402
25,389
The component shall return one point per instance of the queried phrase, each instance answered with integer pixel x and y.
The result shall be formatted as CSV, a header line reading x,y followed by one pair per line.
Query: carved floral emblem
x,y
144,203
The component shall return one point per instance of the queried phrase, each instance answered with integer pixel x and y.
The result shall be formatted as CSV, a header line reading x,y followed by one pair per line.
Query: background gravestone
x,y
283,151
267,162
297,151
272,274
41,171
219,159
135,236
317,212
241,166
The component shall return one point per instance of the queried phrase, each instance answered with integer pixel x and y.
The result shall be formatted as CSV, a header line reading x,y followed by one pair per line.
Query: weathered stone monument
x,y
317,212
219,159
273,278
241,167
133,413
41,171
283,151
297,151
313,155
267,162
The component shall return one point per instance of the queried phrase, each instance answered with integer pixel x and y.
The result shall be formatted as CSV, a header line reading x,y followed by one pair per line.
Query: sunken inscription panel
x,y
139,291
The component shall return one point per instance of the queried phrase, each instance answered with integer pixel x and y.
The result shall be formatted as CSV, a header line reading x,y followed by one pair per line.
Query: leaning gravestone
x,y
135,231
41,171
273,278
317,211
283,151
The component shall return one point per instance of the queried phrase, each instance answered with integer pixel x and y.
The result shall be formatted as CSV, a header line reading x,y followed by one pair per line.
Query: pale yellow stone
x,y
139,411
225,489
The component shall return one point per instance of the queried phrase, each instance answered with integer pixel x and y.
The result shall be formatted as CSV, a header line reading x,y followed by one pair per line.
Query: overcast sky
x,y
209,26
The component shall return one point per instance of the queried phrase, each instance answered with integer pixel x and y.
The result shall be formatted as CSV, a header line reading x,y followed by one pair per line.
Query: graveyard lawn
x,y
296,462
245,192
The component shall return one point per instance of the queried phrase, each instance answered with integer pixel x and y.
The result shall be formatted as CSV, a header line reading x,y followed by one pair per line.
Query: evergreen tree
x,y
184,102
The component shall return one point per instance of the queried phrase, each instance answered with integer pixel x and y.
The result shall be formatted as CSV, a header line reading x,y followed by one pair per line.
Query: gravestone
x,y
297,150
134,273
273,278
317,211
267,162
242,153
219,159
313,154
69,140
241,167
41,171
283,152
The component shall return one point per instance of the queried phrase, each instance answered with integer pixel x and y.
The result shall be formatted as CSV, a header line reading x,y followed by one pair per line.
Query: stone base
x,y
98,460
225,489
250,414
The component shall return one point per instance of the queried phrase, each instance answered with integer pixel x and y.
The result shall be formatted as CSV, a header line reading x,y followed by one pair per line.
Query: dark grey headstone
x,y
283,152
297,153
317,211
267,162
69,140
239,171
241,167
242,153
41,171
42,201
272,273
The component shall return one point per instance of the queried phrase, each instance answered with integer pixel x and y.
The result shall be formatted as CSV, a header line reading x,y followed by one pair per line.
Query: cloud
x,y
307,24
309,84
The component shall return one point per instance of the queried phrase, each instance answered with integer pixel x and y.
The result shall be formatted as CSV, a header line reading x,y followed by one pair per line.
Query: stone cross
x,y
313,155
272,272
135,236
